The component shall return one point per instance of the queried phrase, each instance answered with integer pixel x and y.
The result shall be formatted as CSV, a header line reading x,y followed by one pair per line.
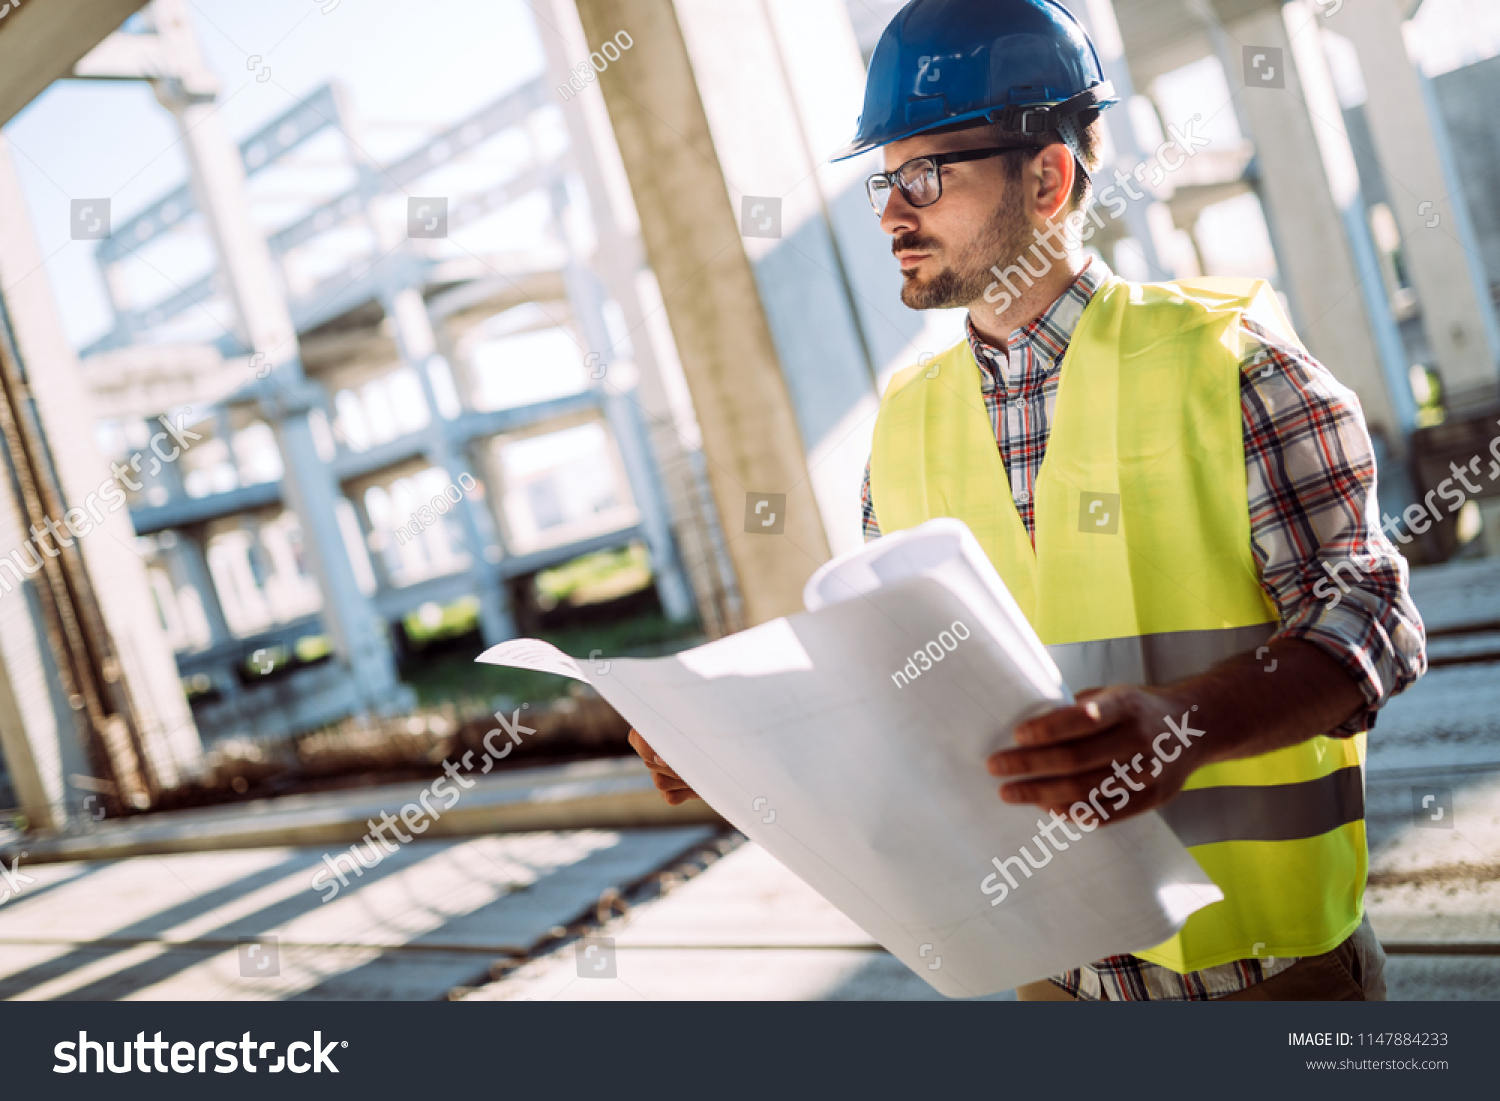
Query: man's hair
x,y
1088,147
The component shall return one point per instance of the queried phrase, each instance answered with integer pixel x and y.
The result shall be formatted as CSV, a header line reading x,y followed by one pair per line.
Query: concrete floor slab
x,y
1457,593
157,972
1463,912
1434,881
745,928
1417,823
721,974
168,926
1443,978
746,899
831,975
610,793
1450,719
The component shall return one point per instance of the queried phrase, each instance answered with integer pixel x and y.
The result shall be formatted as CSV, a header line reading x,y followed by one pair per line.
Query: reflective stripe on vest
x,y
1230,812
1153,583
1276,812
1153,659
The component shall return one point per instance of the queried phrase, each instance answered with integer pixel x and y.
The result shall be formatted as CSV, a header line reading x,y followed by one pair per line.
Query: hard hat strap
x,y
1062,117
1041,117
1072,136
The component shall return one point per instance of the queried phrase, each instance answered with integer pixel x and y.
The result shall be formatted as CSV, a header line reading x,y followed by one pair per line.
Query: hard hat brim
x,y
1102,95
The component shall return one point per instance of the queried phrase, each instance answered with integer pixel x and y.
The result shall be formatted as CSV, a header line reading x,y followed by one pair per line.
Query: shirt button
x,y
1022,497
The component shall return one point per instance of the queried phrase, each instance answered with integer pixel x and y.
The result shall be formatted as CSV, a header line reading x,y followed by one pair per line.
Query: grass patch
x,y
593,578
454,678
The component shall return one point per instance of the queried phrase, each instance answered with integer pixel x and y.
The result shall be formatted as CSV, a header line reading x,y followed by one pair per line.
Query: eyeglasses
x,y
921,179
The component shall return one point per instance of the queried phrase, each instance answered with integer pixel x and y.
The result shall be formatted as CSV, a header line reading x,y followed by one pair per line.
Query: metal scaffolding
x,y
299,516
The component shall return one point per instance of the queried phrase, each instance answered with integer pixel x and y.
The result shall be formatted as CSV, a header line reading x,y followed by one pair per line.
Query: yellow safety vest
x,y
1142,573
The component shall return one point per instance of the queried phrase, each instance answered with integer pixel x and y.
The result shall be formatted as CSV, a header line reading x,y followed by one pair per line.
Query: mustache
x,y
914,242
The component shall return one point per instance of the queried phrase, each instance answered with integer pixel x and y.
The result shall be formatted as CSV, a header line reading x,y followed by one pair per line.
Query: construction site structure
x,y
734,316
337,467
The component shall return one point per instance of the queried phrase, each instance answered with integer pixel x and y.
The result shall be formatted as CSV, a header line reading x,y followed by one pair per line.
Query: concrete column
x,y
817,57
691,229
42,41
622,407
1098,19
1310,189
470,454
187,565
184,560
618,260
586,296
378,564
416,343
417,346
1437,241
65,409
217,176
43,739
310,490
465,382
782,84
265,326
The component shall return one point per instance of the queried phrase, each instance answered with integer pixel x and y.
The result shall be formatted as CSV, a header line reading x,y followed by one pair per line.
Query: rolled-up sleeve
x,y
1335,577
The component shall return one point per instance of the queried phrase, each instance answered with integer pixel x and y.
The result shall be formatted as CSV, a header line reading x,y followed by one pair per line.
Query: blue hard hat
x,y
945,64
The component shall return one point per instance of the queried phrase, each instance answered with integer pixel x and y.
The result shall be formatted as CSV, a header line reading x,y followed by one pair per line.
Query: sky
x,y
409,70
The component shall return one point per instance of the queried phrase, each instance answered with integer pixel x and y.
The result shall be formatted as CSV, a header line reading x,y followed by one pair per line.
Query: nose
x,y
900,216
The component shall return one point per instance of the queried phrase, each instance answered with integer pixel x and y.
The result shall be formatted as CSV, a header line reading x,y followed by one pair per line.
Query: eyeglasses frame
x,y
939,160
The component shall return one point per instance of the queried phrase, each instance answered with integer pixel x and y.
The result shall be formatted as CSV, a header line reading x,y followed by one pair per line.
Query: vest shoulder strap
x,y
924,368
1255,298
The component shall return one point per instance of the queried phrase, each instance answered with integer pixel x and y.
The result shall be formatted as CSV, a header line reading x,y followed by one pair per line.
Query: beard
x,y
965,280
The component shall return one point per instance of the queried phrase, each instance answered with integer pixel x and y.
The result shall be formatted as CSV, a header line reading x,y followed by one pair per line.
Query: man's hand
x,y
672,789
1114,744
1123,750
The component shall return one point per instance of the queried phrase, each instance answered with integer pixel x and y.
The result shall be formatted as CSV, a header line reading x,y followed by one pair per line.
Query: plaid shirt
x,y
1310,473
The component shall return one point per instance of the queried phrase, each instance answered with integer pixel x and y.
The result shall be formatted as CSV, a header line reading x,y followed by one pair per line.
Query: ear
x,y
1052,175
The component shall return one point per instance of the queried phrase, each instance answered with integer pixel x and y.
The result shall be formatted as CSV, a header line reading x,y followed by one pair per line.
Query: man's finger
x,y
1061,793
1055,792
671,785
660,767
1077,720
640,744
642,747
1068,758
673,793
667,781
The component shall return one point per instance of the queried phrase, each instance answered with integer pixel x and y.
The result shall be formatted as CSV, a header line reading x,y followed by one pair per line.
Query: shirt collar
x,y
1051,331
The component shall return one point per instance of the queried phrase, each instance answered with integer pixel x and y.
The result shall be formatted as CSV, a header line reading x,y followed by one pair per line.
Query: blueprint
x,y
849,741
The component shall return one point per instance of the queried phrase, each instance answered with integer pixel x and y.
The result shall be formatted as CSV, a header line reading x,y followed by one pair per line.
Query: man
x,y
1163,477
